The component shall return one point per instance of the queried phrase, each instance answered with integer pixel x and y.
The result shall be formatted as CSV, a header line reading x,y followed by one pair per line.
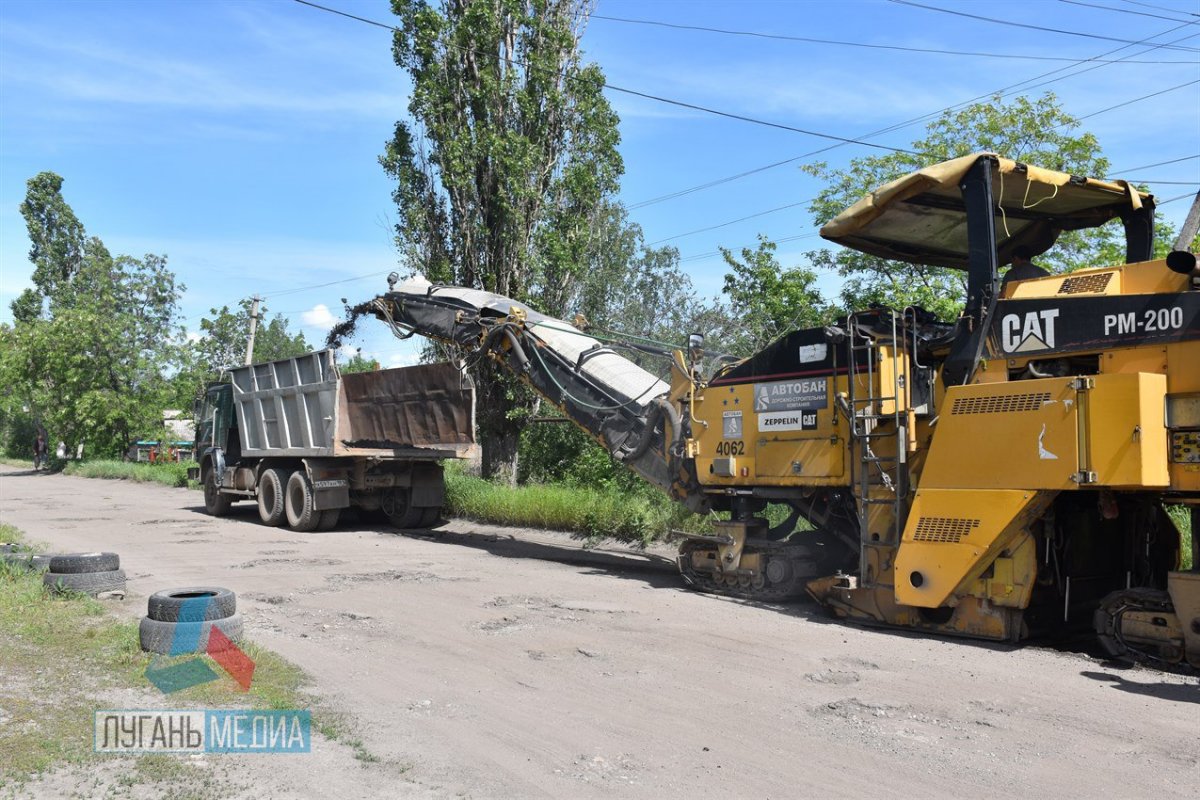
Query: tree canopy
x,y
507,156
93,339
1036,131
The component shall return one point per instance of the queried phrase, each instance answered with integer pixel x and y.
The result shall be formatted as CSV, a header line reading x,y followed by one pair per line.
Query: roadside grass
x,y
65,657
168,474
594,513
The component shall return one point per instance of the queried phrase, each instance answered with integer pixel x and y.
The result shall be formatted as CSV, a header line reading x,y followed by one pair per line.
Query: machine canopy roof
x,y
920,218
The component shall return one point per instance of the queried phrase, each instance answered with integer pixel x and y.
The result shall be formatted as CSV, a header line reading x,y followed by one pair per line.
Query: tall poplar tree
x,y
506,159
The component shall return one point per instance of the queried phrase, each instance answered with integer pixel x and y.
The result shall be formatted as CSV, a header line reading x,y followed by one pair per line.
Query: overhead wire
x,y
1159,163
792,205
637,93
1005,91
843,43
730,222
1138,99
299,289
1027,26
840,139
1120,10
1160,8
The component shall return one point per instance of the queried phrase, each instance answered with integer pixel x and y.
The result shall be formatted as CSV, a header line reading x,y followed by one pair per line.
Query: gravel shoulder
x,y
487,662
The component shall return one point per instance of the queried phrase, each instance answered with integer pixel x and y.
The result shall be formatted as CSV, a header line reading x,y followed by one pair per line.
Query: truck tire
x,y
167,605
329,519
272,485
74,563
430,517
215,503
298,503
400,510
159,637
92,583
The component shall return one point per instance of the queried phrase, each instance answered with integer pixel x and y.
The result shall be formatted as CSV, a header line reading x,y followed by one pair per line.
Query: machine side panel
x,y
1019,435
952,536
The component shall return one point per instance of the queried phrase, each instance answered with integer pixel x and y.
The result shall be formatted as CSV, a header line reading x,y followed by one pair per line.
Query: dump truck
x,y
305,442
1000,476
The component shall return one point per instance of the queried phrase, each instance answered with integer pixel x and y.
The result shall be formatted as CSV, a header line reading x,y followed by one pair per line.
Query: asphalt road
x,y
493,662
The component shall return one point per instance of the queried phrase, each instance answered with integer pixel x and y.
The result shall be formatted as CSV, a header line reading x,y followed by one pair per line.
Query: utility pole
x,y
254,301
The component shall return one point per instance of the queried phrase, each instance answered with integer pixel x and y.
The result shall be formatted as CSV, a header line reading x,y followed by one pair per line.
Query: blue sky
x,y
241,138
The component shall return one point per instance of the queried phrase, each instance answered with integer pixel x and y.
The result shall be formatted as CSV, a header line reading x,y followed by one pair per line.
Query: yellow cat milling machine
x,y
996,477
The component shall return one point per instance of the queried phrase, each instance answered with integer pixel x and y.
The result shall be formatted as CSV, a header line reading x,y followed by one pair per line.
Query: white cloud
x,y
319,316
403,360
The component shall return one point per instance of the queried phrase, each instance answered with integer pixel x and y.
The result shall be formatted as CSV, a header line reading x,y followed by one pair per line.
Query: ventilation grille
x,y
1085,284
944,530
1000,403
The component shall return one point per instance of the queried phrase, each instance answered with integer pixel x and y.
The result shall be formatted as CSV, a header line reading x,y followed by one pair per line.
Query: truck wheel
x,y
329,519
270,496
401,512
430,516
298,503
215,503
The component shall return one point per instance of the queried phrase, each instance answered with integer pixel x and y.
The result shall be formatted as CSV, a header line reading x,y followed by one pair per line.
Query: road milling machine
x,y
1000,477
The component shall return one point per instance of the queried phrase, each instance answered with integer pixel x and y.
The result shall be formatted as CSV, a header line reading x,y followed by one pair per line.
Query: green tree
x,y
222,344
640,293
1036,131
359,363
510,151
91,342
766,300
57,244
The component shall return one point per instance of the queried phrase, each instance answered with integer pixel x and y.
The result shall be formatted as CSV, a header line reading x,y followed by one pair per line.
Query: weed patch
x,y
167,474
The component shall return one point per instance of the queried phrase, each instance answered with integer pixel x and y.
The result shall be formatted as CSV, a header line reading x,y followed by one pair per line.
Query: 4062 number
x,y
731,448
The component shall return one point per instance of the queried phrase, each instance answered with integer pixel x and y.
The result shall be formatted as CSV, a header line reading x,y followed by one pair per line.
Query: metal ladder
x,y
879,479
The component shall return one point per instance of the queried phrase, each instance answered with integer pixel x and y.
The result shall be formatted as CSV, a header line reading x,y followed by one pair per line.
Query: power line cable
x,y
1002,92
637,93
1027,26
1119,10
843,43
1137,100
1158,164
792,205
299,289
767,123
1160,8
730,222
1173,199
711,253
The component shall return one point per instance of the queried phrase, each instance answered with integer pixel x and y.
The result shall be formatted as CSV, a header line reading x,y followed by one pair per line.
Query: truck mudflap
x,y
330,482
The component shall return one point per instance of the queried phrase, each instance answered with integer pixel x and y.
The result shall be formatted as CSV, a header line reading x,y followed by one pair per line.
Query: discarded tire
x,y
180,638
72,563
92,583
172,605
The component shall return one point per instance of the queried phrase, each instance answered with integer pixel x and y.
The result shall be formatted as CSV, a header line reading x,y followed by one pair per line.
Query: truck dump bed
x,y
303,407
